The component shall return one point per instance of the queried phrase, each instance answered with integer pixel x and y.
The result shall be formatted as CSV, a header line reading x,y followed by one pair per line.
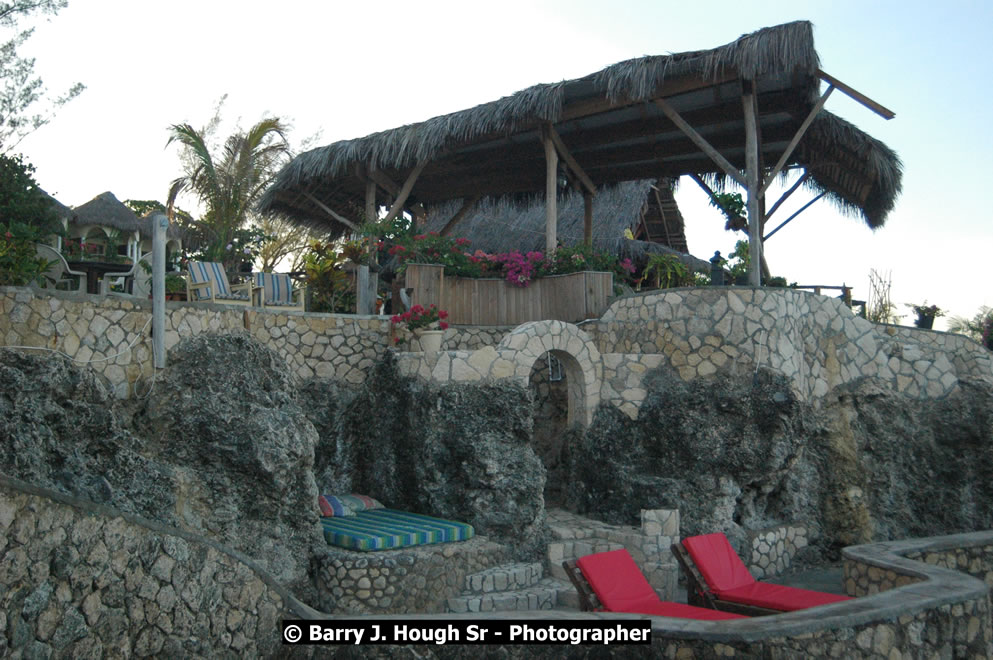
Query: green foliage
x,y
19,263
228,182
329,285
432,248
973,327
738,261
668,271
26,217
21,200
22,90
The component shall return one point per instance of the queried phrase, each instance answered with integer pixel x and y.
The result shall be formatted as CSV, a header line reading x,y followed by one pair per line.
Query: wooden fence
x,y
469,301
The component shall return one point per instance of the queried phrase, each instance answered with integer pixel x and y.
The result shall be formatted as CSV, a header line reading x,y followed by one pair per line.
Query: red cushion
x,y
621,587
617,581
720,565
779,597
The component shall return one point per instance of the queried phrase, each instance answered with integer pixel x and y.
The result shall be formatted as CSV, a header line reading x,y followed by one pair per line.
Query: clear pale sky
x,y
346,71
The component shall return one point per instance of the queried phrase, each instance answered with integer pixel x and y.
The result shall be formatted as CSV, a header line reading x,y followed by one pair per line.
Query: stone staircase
x,y
544,585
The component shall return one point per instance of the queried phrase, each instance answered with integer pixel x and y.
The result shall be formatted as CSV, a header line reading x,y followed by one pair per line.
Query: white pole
x,y
159,225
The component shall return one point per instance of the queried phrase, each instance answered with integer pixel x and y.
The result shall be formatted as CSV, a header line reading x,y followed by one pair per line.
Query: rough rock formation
x,y
456,451
739,451
219,447
224,415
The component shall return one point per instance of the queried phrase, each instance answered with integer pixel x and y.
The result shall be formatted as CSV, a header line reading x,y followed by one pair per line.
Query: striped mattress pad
x,y
386,529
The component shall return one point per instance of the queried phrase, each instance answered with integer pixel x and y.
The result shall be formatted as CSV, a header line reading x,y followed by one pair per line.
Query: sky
x,y
335,70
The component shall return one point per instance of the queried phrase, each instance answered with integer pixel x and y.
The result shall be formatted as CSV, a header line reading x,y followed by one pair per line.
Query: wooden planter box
x,y
469,301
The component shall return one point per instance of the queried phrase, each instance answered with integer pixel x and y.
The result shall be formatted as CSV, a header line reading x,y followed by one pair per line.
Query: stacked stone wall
x,y
395,581
79,580
772,549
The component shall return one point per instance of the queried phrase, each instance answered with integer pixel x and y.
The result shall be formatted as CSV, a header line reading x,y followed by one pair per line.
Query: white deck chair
x,y
207,282
278,292
58,270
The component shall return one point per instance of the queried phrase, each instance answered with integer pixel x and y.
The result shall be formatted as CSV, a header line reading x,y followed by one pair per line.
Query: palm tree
x,y
229,185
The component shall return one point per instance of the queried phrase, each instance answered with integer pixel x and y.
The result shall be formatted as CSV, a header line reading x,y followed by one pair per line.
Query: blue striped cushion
x,y
278,288
384,529
212,272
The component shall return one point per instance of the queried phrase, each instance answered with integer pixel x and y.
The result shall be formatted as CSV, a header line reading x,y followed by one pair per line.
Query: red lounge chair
x,y
612,582
717,578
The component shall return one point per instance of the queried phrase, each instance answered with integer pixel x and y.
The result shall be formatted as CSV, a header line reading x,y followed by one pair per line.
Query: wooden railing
x,y
573,297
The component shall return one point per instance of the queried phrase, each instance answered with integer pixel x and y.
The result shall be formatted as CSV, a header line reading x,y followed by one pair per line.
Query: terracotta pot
x,y
430,340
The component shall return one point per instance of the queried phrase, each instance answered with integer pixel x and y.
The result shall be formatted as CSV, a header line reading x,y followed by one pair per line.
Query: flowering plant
x,y
927,310
419,317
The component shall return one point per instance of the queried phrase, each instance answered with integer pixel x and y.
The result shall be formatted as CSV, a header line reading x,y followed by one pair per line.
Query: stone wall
x,y
395,581
814,340
112,335
81,580
772,549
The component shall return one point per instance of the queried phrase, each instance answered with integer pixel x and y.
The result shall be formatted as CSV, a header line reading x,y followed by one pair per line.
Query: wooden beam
x,y
796,138
879,109
570,161
786,194
327,209
551,191
670,87
466,206
665,222
383,181
401,199
588,219
752,184
784,222
699,141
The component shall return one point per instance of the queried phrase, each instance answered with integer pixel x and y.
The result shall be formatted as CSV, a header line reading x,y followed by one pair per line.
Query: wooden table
x,y
95,270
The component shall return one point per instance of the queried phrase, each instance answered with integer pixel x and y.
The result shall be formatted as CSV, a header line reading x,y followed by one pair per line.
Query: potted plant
x,y
427,324
669,271
175,286
926,314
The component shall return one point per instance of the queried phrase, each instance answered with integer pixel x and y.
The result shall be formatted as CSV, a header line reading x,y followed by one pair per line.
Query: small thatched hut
x,y
743,111
105,217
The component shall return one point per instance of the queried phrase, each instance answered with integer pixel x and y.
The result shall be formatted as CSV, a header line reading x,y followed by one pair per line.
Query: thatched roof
x,y
609,122
505,225
107,211
61,210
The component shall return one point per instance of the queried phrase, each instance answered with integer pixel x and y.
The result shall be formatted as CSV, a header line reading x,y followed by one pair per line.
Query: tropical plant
x,y
733,207
330,287
971,327
19,262
739,260
668,270
926,314
228,183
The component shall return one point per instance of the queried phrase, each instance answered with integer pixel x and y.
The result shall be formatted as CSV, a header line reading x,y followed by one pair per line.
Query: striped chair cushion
x,y
278,288
212,272
384,529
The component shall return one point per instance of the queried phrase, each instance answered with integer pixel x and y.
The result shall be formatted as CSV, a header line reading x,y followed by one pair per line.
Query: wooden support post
x,y
466,206
879,109
588,219
404,193
752,184
551,192
700,141
370,201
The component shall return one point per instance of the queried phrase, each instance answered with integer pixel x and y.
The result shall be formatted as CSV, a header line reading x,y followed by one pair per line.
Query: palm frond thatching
x,y
107,211
494,149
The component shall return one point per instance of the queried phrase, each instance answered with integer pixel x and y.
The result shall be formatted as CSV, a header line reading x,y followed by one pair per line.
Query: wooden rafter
x,y
796,138
404,193
551,191
334,214
466,207
573,164
855,95
700,141
753,177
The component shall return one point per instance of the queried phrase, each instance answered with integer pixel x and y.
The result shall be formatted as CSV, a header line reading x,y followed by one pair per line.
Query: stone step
x,y
507,577
559,551
542,596
568,597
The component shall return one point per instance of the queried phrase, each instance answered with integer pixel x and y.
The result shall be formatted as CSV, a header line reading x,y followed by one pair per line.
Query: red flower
x,y
442,325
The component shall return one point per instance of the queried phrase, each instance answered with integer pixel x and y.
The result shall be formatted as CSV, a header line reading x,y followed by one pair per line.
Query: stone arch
x,y
576,351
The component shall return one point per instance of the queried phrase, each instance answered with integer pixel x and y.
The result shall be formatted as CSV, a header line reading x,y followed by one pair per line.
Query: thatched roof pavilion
x,y
105,210
730,112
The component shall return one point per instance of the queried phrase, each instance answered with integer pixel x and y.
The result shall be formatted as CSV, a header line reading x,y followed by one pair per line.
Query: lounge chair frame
x,y
699,594
588,602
